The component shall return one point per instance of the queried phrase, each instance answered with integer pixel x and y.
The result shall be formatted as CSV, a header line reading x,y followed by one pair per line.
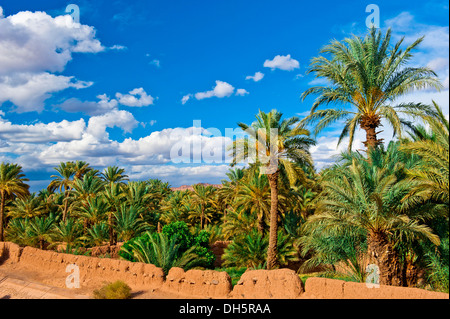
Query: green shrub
x,y
115,290
181,241
250,250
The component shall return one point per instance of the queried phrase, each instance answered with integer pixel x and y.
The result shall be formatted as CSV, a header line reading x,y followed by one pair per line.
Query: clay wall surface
x,y
253,284
324,288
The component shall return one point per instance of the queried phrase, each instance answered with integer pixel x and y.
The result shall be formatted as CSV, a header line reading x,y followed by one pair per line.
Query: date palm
x,y
366,76
93,211
42,230
113,194
114,175
430,177
12,184
68,232
364,197
63,181
27,207
254,196
128,223
274,144
201,199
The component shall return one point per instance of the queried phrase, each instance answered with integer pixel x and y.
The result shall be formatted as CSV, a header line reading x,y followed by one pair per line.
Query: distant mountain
x,y
189,187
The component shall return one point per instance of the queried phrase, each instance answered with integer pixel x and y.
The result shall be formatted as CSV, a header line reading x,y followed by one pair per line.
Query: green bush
x,y
115,290
181,239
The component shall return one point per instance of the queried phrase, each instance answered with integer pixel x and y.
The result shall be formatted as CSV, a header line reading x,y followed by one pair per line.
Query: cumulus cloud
x,y
242,92
135,98
282,62
34,45
222,89
28,91
257,77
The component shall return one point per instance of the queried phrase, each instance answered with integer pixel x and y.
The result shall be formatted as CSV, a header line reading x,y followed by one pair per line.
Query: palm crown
x,y
367,75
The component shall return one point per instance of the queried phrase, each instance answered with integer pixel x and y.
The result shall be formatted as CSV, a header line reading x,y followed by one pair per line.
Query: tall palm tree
x,y
201,198
12,183
276,145
367,75
113,194
63,182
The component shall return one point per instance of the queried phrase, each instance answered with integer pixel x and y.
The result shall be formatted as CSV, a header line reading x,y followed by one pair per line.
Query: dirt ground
x,y
19,283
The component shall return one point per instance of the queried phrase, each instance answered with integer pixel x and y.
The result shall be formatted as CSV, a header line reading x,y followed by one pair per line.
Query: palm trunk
x,y
261,224
2,212
66,200
111,230
272,260
370,123
385,257
202,218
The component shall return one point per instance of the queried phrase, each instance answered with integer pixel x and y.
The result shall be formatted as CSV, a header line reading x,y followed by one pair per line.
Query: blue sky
x,y
118,88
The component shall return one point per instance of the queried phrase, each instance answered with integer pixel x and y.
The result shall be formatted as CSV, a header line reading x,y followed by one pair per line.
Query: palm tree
x,y
68,232
81,168
87,187
162,251
114,175
128,223
94,211
12,183
369,76
201,198
63,181
254,197
113,195
27,207
430,177
364,197
42,230
277,145
98,234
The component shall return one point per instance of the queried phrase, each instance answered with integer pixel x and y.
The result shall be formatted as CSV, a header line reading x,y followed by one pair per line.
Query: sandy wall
x,y
324,288
253,284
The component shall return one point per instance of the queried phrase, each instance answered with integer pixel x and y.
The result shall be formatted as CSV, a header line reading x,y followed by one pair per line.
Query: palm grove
x,y
385,205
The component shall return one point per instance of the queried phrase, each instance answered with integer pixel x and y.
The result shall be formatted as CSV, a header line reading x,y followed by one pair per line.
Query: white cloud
x,y
185,98
242,92
257,77
37,42
34,45
97,124
28,91
40,132
222,89
282,62
136,98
